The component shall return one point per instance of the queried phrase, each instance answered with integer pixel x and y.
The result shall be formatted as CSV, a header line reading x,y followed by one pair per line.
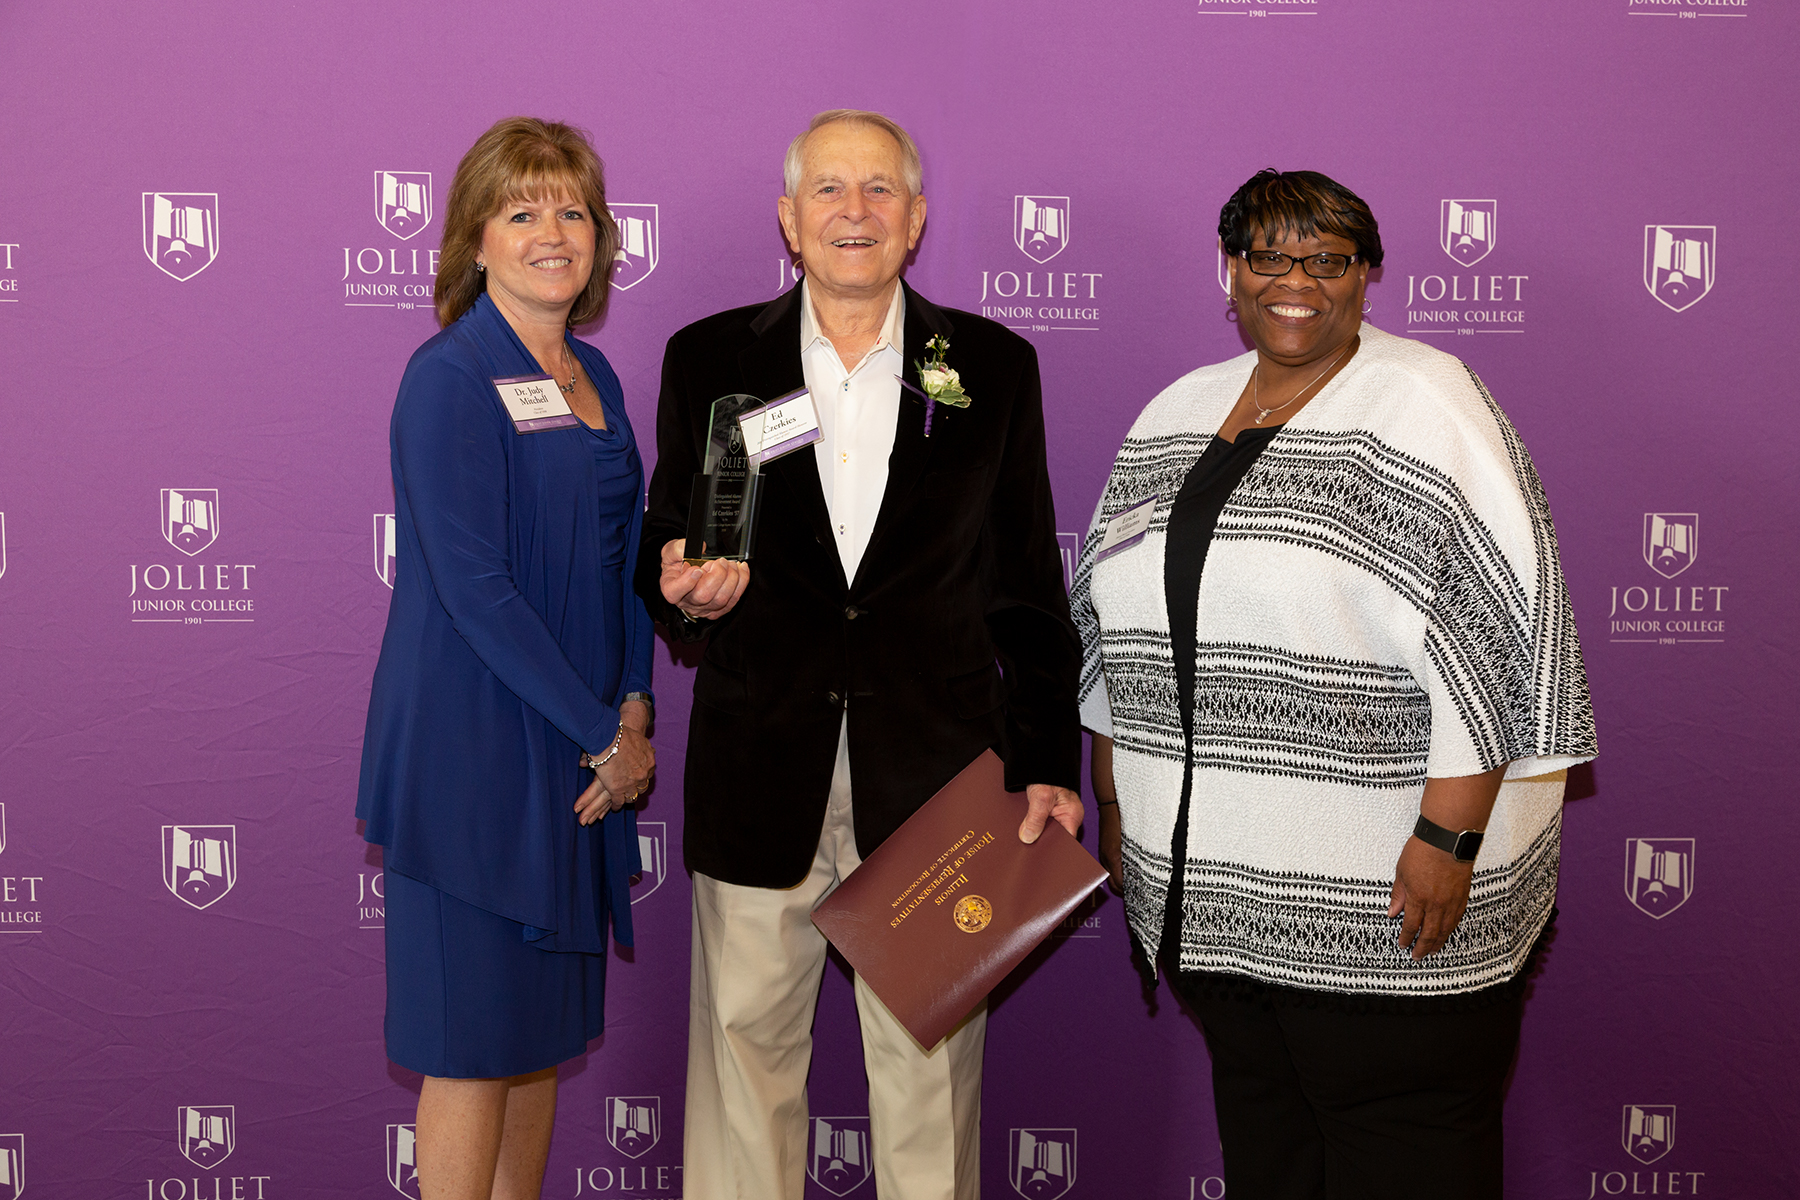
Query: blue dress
x,y
512,639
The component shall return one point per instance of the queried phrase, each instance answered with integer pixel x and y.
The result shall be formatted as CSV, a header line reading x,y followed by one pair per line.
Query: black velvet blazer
x,y
954,636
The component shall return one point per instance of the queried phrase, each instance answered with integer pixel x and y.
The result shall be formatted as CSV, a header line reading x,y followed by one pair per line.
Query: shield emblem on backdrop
x,y
403,1159
2,828
12,1165
1042,1162
190,518
639,244
199,862
839,1159
1069,546
653,849
1659,874
1041,226
403,201
181,232
1671,542
1648,1131
633,1124
2,545
1678,263
208,1134
385,549
1466,229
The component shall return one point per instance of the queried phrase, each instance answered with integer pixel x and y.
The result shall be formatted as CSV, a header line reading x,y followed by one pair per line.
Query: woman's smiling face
x,y
1295,319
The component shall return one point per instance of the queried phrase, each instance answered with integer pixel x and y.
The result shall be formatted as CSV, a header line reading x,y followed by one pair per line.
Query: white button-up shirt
x,y
858,409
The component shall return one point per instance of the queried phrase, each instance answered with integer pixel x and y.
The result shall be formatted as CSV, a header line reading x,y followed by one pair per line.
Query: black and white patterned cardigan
x,y
1382,602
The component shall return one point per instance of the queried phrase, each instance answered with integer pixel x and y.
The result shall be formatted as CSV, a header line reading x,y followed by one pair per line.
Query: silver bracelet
x,y
589,762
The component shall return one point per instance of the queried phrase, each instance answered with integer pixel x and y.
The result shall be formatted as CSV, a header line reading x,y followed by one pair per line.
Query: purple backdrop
x,y
196,436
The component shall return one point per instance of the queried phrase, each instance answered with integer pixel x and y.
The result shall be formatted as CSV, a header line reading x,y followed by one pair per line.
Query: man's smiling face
x,y
852,219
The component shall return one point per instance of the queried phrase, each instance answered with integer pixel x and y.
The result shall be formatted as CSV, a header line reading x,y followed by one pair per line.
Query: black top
x,y
1203,495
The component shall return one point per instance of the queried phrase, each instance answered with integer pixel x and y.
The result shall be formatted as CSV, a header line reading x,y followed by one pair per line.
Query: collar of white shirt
x,y
892,329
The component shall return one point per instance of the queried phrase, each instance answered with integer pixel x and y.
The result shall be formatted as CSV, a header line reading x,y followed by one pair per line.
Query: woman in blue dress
x,y
516,658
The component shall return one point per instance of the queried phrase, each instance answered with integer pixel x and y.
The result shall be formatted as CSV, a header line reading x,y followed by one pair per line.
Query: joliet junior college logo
x,y
1041,226
1042,1163
1659,874
403,201
653,850
403,1159
208,1134
190,518
1678,263
385,549
199,862
639,244
839,1161
1671,542
1648,1131
12,1165
181,232
633,1124
1466,229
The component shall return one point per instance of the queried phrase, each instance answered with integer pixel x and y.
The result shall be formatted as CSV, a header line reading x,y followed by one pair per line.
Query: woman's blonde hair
x,y
521,158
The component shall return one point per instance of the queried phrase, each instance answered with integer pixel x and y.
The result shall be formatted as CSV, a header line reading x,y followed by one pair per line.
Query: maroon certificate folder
x,y
949,904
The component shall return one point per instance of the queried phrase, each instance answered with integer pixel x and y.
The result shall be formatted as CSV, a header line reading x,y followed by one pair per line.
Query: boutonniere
x,y
941,383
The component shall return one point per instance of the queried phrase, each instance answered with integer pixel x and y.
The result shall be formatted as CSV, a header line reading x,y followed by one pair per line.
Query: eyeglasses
x,y
1319,266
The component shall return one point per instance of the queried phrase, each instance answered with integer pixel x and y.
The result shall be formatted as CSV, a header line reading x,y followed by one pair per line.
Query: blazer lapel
x,y
912,449
770,367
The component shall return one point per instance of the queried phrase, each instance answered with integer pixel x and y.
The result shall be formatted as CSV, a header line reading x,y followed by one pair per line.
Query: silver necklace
x,y
1256,387
568,362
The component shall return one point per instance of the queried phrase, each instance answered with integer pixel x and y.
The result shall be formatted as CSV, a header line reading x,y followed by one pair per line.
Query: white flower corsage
x,y
941,383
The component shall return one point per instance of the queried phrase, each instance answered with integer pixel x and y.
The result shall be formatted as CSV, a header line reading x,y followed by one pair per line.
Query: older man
x,y
904,611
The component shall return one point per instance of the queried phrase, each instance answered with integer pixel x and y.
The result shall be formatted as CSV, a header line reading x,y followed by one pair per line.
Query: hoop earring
x,y
1231,309
1367,305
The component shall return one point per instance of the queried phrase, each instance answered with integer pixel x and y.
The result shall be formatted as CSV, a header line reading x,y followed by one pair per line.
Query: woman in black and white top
x,y
1337,681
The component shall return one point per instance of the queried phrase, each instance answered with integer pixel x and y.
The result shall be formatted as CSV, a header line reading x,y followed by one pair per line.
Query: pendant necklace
x,y
1256,387
570,389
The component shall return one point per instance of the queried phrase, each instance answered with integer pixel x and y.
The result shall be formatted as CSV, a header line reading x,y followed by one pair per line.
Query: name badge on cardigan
x,y
534,402
1127,529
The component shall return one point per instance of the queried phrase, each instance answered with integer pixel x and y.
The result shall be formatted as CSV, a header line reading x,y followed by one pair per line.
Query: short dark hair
x,y
1304,203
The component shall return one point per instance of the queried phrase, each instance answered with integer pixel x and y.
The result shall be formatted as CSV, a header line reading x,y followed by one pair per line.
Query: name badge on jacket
x,y
1127,529
534,402
781,426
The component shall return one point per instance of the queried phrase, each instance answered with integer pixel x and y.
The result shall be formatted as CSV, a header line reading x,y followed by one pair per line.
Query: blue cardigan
x,y
497,668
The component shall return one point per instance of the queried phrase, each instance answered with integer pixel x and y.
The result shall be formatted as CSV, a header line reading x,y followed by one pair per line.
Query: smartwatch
x,y
1463,847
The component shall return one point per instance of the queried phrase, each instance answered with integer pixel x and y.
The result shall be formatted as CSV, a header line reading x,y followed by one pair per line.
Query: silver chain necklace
x,y
570,389
1256,387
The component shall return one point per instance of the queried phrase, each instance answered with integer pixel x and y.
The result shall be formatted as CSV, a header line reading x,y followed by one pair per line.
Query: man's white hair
x,y
910,166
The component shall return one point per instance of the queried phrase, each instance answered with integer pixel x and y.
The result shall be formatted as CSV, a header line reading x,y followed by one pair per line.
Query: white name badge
x,y
781,426
1127,529
534,402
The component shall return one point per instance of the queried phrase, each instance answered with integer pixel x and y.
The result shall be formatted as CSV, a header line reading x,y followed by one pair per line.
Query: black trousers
x,y
1319,1104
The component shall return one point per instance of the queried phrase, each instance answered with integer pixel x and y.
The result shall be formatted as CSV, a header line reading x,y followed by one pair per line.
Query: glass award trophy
x,y
722,506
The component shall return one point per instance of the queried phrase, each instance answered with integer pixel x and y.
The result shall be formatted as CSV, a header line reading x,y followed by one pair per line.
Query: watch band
x,y
1463,847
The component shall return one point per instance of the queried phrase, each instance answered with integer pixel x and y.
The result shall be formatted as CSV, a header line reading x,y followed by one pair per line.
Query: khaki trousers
x,y
757,963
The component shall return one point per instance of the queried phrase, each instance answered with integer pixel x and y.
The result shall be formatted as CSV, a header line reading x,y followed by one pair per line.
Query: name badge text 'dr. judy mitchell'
x,y
534,402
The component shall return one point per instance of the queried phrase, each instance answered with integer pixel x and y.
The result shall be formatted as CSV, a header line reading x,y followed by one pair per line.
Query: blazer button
x,y
852,612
